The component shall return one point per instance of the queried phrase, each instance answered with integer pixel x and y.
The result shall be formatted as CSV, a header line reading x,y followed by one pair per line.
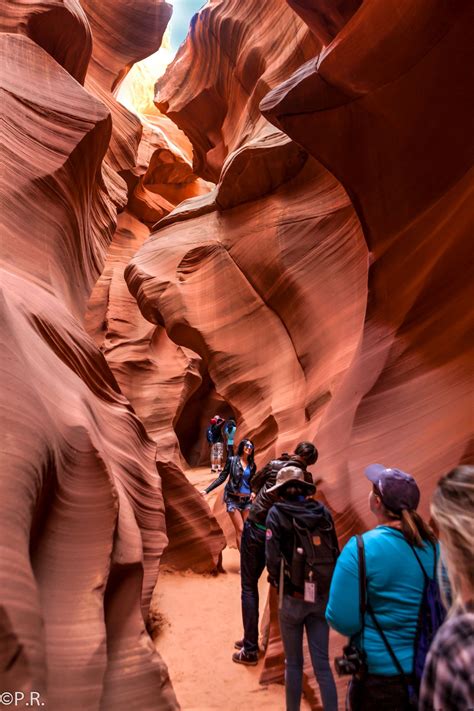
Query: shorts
x,y
237,503
217,454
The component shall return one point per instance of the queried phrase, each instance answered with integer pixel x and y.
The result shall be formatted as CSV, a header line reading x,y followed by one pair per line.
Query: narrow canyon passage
x,y
199,621
270,218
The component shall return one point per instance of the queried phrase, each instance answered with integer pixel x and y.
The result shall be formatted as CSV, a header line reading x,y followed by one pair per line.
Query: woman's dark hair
x,y
308,451
413,527
240,450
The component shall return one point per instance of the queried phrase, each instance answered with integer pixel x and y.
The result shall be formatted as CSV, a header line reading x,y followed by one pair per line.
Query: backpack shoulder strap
x,y
304,535
435,560
362,578
365,604
387,644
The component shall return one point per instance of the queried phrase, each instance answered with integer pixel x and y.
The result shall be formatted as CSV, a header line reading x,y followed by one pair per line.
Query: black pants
x,y
252,564
378,693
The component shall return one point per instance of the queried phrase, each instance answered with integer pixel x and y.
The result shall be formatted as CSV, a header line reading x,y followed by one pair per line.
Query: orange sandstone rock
x,y
234,53
59,26
159,378
82,508
387,108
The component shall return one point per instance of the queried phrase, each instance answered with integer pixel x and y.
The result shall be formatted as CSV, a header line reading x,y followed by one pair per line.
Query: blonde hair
x,y
452,509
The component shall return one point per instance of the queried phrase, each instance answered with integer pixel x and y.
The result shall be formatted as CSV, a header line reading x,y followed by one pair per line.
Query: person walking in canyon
x,y
390,564
229,430
216,441
252,554
240,470
448,681
301,552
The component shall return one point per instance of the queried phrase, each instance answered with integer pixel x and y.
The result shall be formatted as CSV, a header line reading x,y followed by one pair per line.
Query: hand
x,y
252,495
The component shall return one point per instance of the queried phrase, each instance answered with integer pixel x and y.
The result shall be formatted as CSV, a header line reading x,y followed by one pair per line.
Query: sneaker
x,y
240,645
242,657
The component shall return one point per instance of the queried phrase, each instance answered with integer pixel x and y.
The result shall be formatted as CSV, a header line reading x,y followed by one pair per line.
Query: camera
x,y
351,662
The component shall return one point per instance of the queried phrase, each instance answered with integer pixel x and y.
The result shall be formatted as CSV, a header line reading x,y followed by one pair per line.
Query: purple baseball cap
x,y
398,490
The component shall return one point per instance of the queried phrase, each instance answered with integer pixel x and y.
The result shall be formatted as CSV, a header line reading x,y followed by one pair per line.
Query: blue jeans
x,y
252,564
296,615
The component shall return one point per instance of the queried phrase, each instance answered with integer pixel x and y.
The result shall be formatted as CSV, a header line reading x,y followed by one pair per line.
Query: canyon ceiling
x,y
283,234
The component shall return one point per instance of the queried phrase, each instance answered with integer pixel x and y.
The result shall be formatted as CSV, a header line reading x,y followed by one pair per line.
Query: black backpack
x,y
314,556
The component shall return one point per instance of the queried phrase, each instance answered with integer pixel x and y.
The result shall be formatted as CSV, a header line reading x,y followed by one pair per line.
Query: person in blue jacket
x,y
229,433
394,584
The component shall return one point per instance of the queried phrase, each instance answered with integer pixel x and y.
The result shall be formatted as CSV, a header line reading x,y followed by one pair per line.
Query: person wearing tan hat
x,y
301,552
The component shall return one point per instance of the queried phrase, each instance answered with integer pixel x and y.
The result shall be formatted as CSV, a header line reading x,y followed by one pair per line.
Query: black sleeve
x,y
221,478
273,546
260,478
335,541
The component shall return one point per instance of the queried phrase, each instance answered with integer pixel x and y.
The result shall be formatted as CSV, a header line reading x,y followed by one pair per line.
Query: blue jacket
x,y
395,585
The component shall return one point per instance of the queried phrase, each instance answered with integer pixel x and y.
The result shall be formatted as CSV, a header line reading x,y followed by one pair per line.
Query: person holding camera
x,y
398,554
301,551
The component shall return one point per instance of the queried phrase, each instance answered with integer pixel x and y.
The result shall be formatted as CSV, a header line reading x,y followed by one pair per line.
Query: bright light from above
x,y
137,89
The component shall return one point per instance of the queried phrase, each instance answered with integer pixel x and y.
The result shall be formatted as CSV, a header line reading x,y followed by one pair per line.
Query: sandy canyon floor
x,y
201,621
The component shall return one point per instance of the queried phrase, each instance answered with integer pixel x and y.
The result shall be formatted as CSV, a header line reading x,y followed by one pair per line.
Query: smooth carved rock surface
x,y
158,377
306,328
388,109
82,508
123,34
163,176
59,26
325,18
234,53
265,253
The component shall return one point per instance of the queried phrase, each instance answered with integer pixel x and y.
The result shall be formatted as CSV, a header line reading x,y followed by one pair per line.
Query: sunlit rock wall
x,y
159,378
323,282
82,512
387,108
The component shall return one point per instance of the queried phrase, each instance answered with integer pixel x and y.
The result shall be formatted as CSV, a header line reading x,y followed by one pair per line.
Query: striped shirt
x,y
448,678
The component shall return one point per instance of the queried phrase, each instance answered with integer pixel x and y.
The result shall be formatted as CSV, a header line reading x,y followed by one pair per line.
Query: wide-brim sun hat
x,y
399,490
288,475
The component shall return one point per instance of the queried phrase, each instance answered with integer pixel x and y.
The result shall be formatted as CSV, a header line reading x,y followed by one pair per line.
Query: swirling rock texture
x,y
159,378
313,323
123,33
82,508
318,291
387,108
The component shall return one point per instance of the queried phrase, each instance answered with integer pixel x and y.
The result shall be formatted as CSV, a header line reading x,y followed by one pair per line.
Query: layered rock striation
x,y
83,523
159,378
322,282
308,273
386,107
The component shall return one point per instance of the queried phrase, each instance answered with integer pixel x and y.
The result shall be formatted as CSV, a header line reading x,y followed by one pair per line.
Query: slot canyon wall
x,y
284,234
